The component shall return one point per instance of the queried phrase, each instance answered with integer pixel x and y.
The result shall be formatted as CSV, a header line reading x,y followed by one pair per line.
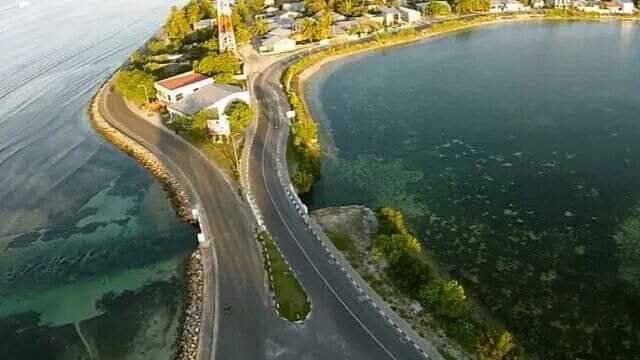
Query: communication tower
x,y
226,38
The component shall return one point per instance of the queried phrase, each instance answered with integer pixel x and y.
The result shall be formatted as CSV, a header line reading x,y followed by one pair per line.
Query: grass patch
x,y
291,299
220,154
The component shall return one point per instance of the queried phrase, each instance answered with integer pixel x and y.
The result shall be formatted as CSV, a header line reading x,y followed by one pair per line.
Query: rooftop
x,y
181,80
207,96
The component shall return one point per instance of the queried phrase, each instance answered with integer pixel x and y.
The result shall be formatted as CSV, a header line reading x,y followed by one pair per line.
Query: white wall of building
x,y
171,96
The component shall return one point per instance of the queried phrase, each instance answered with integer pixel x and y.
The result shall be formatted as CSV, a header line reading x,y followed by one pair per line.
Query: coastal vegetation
x,y
136,86
406,268
291,300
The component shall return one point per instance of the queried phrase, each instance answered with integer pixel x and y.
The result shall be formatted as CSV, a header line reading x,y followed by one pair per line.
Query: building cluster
x,y
595,6
188,93
286,22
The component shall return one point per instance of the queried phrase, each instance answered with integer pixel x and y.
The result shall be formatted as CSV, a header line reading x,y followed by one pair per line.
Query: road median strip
x,y
290,299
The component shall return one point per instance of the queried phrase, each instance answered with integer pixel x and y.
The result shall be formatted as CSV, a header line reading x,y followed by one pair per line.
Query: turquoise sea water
x,y
515,152
91,251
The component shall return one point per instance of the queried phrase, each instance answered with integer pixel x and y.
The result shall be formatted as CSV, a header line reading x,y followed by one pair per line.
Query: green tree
x,y
446,298
180,123
259,27
497,345
435,8
193,13
471,6
304,133
346,7
137,60
308,29
409,273
218,64
211,45
314,6
200,119
177,26
208,11
323,26
256,6
132,85
240,29
157,47
239,116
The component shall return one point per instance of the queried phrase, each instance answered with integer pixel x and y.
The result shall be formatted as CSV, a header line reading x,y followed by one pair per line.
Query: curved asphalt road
x,y
339,327
333,296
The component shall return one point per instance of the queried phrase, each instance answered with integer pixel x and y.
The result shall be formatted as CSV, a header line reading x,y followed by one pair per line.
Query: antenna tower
x,y
226,38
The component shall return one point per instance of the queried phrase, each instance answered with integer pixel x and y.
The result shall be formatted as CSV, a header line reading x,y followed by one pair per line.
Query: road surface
x,y
234,268
333,294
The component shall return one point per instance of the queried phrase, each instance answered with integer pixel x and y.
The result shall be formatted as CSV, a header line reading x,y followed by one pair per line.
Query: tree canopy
x,y
471,6
193,13
132,84
201,117
313,6
239,116
435,8
218,64
177,26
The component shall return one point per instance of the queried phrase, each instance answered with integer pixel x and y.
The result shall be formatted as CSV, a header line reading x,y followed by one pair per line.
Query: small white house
x,y
203,24
180,86
269,2
498,6
277,44
219,127
390,16
537,4
410,15
627,7
335,17
297,6
210,97
423,5
562,4
290,15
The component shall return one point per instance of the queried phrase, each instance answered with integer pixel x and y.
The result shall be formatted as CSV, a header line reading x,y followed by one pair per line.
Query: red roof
x,y
181,80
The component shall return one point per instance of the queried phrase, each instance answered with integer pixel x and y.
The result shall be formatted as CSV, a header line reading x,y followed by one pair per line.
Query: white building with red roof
x,y
178,87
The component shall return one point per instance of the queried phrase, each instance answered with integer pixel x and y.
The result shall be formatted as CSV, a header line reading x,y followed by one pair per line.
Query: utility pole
x,y
235,153
146,94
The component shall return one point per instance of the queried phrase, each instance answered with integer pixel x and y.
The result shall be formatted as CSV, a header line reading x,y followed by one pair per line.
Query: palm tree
x,y
260,27
308,29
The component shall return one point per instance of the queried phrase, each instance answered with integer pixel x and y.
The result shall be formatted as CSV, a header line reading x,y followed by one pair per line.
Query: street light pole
x,y
146,94
235,152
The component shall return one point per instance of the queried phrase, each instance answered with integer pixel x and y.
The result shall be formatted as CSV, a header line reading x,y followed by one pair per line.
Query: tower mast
x,y
226,38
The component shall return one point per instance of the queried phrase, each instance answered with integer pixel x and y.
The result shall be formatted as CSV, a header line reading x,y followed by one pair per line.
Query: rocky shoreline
x,y
187,342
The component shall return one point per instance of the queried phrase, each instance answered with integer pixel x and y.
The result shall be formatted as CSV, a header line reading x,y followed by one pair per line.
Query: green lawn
x,y
220,154
293,301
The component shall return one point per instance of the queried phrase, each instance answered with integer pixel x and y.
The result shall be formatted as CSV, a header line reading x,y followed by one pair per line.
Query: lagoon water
x,y
515,152
91,251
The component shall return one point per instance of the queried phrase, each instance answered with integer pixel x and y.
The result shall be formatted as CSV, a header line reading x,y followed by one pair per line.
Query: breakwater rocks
x,y
177,195
187,342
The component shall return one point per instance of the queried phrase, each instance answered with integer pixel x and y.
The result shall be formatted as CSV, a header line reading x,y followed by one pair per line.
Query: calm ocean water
x,y
90,248
515,152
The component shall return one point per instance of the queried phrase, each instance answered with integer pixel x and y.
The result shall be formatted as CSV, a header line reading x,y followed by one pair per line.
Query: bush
x,y
132,84
157,47
239,115
218,64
